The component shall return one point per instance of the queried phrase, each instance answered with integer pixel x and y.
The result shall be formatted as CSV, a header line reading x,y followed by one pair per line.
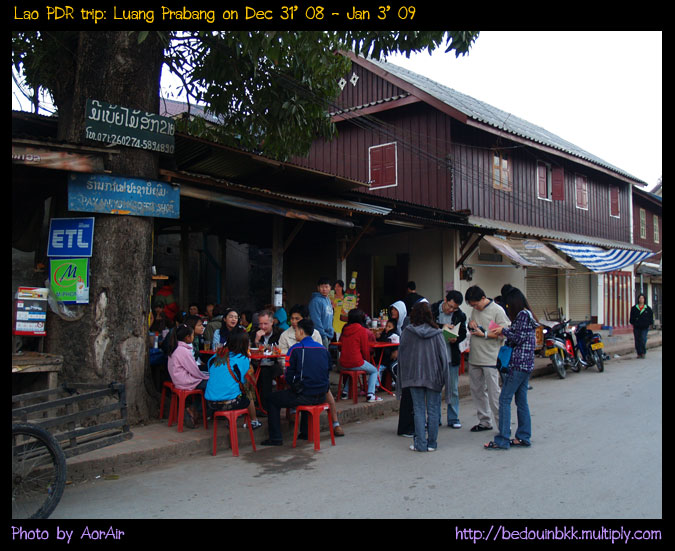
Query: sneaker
x,y
413,448
455,425
344,395
373,398
337,431
431,449
255,424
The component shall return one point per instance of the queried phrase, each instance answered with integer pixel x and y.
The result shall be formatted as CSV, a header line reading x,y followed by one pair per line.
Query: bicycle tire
x,y
38,472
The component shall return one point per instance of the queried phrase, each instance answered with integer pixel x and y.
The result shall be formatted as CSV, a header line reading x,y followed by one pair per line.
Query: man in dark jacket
x,y
309,365
455,319
641,318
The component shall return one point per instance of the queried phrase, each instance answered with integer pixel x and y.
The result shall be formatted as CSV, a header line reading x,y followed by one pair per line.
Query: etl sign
x,y
70,237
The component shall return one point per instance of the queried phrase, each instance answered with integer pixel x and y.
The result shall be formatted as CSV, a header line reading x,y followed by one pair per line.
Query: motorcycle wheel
x,y
599,360
559,365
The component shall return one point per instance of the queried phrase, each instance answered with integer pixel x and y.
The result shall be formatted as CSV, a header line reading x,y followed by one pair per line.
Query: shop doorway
x,y
390,277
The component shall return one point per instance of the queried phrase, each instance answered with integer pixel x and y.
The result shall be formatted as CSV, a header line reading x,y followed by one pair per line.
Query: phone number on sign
x,y
130,141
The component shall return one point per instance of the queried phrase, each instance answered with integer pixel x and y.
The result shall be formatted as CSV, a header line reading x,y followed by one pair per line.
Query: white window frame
x,y
395,144
656,229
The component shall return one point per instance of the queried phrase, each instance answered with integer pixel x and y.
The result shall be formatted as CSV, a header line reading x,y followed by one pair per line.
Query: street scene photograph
x,y
290,273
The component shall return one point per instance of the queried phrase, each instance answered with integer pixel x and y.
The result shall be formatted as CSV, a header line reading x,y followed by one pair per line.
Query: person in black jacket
x,y
641,318
451,315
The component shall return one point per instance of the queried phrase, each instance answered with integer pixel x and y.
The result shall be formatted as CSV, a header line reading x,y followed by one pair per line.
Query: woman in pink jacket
x,y
183,369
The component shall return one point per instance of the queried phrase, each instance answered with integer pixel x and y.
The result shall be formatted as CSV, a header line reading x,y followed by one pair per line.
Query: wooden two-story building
x,y
648,233
431,154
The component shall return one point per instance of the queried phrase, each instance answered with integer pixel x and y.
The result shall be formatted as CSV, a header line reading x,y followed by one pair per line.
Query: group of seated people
x,y
227,376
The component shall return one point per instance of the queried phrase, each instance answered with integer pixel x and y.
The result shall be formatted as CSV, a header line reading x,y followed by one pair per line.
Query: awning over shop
x,y
602,260
260,206
528,252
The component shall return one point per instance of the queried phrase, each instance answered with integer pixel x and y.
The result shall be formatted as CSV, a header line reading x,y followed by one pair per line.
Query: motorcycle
x,y
590,347
559,346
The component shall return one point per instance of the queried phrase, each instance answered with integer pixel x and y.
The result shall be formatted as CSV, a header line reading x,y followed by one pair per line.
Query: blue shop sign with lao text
x,y
116,195
70,237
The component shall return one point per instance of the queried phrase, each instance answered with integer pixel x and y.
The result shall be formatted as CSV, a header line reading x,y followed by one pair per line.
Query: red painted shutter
x,y
614,201
389,165
558,183
376,167
383,166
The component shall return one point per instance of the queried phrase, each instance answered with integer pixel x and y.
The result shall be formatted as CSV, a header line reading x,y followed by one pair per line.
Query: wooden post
x,y
184,268
277,254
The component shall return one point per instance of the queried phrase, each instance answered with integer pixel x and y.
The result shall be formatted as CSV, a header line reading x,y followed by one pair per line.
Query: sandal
x,y
493,446
520,443
479,428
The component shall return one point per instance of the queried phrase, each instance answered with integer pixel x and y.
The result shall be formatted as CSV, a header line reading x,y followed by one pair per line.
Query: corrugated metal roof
x,y
497,118
332,204
519,229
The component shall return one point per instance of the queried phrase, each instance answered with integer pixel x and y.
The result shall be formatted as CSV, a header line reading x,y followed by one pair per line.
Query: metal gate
x,y
618,298
542,290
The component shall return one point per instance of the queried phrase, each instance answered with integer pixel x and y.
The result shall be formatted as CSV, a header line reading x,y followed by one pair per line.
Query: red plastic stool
x,y
353,391
313,423
177,411
231,417
167,385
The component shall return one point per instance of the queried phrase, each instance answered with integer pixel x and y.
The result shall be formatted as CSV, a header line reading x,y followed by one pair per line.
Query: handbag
x,y
504,358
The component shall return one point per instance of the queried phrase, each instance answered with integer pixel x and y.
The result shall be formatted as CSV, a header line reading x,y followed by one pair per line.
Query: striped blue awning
x,y
602,260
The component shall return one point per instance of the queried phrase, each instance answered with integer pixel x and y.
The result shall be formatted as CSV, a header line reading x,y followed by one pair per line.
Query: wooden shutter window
x,y
582,192
383,166
558,184
543,177
614,201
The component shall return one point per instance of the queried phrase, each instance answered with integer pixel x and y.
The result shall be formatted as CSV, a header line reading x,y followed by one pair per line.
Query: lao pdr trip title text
x,y
289,13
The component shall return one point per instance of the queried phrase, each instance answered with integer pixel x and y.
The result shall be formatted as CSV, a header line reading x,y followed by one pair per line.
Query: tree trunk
x,y
109,342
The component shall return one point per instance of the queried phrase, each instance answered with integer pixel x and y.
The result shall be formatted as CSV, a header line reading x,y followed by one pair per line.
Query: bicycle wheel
x,y
38,472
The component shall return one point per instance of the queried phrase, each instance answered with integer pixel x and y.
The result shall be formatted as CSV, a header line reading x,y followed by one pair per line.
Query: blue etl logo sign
x,y
70,237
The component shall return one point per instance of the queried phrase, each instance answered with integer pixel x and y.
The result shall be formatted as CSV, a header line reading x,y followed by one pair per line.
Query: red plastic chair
x,y
231,417
168,385
177,411
354,375
313,423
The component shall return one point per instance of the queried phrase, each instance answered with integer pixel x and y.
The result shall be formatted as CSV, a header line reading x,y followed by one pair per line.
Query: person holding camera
x,y
483,373
307,376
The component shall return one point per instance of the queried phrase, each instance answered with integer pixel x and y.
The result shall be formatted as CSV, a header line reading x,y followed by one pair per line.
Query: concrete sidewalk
x,y
155,443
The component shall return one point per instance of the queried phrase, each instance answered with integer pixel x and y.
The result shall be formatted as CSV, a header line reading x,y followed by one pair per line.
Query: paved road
x,y
596,454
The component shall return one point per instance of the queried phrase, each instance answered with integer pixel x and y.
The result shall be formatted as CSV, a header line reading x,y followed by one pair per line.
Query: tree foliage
x,y
271,90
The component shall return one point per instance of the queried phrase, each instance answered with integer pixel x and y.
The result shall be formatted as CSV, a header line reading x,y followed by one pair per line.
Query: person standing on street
x,y
483,374
455,319
422,366
641,318
521,336
321,311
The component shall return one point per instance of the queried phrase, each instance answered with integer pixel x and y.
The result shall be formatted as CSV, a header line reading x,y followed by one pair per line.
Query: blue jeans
x,y
452,393
372,376
515,384
427,411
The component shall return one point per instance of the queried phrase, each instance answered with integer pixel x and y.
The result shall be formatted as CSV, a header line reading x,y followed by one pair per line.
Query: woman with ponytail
x,y
228,368
183,369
